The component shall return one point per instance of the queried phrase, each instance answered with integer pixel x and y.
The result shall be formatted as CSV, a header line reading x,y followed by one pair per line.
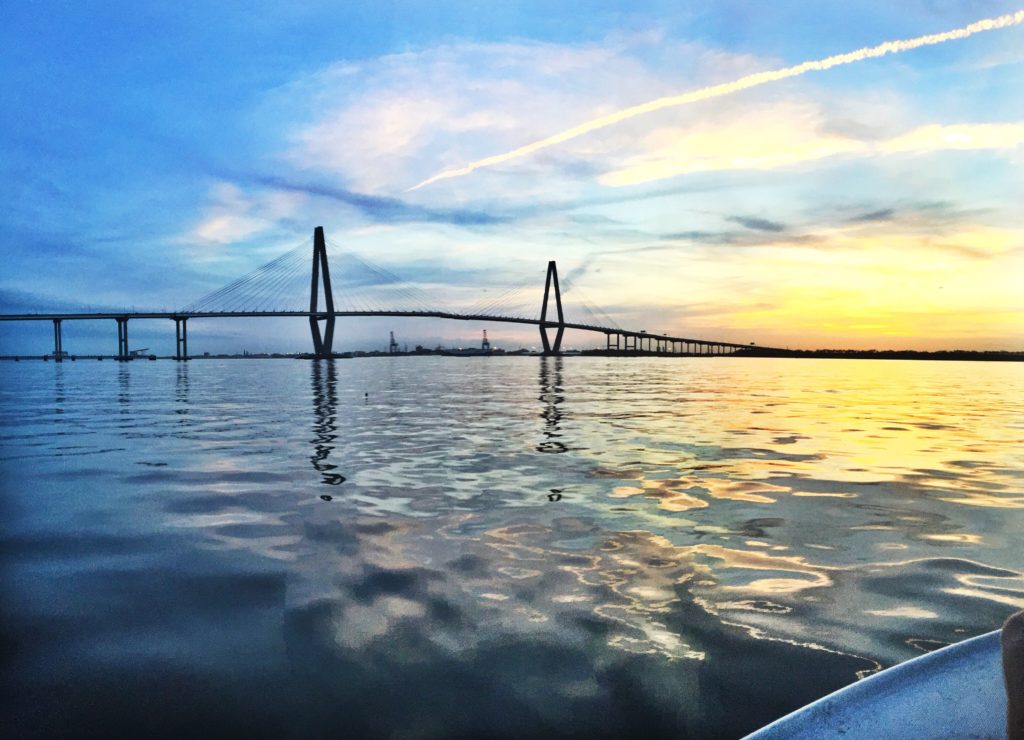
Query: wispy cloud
x,y
376,124
729,88
880,214
233,214
757,224
786,135
251,203
380,208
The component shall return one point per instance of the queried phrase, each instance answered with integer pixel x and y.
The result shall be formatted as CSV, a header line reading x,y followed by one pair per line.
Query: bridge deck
x,y
323,315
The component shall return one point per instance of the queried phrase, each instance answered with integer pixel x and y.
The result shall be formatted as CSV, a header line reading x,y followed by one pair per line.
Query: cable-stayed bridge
x,y
293,285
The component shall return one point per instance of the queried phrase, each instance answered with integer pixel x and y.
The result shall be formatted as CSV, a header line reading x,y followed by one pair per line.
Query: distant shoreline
x,y
826,354
894,354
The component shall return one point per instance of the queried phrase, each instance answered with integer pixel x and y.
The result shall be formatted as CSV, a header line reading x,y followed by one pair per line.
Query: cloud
x,y
728,88
379,123
881,214
233,214
757,224
380,208
788,134
936,137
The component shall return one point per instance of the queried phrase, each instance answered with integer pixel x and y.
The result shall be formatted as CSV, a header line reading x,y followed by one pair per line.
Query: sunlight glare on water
x,y
492,546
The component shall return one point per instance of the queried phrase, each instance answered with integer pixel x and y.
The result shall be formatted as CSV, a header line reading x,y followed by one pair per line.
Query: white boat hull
x,y
955,692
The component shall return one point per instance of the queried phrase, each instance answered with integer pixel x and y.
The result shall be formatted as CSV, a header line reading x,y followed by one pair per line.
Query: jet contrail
x,y
727,88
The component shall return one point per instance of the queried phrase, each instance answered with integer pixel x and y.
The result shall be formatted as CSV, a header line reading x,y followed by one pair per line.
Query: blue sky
x,y
152,152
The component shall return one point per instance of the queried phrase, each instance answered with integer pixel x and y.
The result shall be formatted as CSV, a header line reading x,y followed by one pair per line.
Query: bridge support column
x,y
322,344
122,339
552,348
57,350
181,338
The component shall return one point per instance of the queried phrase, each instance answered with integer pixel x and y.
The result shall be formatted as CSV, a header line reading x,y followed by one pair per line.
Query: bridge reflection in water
x,y
718,527
324,376
551,393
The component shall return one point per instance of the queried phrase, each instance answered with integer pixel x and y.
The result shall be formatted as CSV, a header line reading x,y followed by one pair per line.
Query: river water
x,y
520,546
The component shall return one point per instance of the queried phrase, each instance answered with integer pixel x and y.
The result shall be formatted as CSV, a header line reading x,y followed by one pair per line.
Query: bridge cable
x,y
208,301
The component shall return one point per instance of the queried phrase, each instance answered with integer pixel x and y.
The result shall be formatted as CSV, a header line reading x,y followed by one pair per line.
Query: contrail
x,y
727,88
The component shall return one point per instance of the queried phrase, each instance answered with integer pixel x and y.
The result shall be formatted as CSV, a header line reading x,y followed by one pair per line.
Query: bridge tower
x,y
552,348
321,344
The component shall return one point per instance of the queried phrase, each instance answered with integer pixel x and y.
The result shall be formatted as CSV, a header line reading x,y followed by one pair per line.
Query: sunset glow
x,y
734,177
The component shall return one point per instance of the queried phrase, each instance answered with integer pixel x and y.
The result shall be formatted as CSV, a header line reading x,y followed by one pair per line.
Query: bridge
x,y
261,293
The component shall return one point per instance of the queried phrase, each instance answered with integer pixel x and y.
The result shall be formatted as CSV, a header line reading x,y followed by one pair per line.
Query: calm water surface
x,y
491,546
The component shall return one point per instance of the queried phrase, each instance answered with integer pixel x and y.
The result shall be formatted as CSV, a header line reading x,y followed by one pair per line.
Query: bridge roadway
x,y
654,342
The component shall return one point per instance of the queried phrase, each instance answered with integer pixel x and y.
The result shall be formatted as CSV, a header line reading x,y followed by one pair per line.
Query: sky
x,y
152,152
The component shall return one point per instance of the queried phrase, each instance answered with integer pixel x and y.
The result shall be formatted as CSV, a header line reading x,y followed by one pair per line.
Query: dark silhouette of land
x,y
834,354
888,354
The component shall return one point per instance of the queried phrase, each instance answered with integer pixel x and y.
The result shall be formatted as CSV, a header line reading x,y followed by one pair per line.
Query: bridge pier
x,y
322,344
58,352
122,339
551,348
181,338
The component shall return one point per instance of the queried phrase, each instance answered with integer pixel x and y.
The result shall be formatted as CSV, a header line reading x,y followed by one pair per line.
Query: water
x,y
491,546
